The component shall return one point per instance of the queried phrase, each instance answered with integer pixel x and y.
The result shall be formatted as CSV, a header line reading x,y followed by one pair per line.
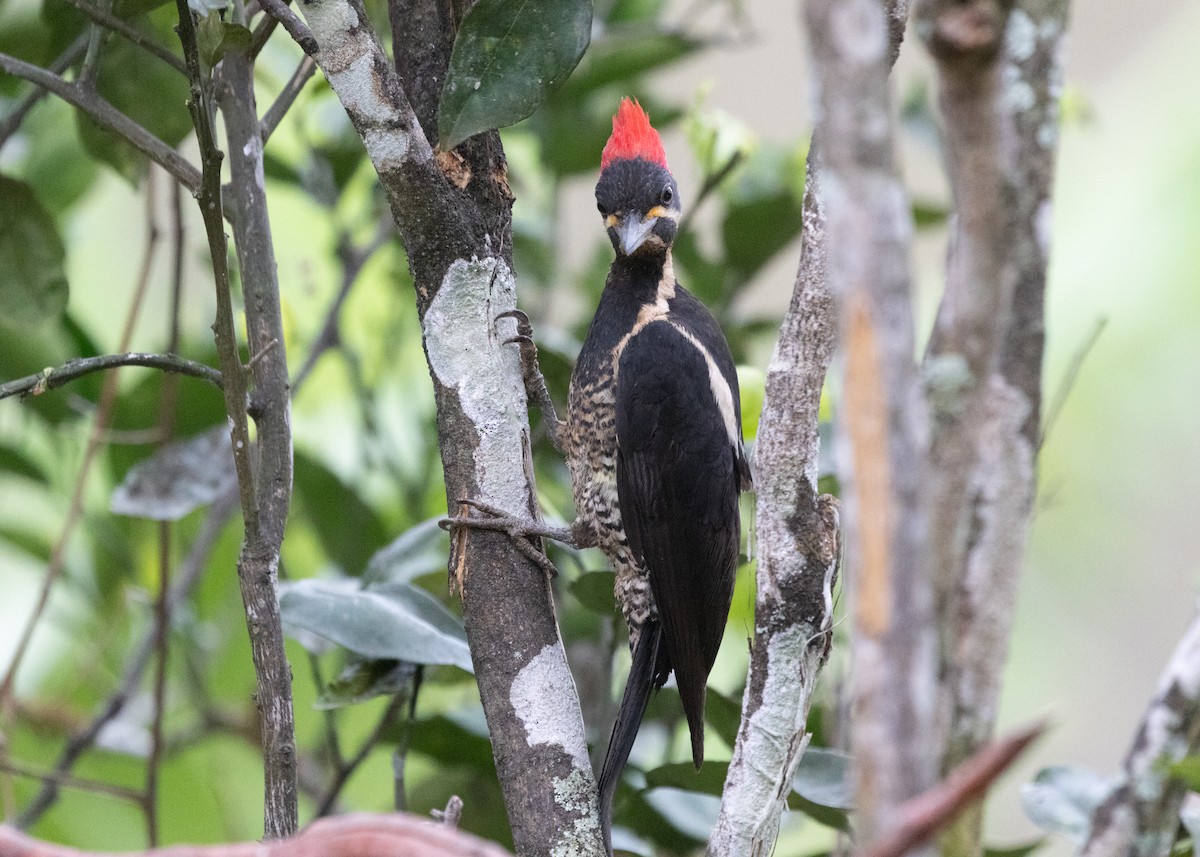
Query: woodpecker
x,y
653,442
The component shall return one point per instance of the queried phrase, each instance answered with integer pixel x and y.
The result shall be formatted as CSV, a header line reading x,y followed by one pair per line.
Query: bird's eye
x,y
600,208
668,194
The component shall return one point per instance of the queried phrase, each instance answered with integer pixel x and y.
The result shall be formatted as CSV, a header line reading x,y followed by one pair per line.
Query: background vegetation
x,y
1113,551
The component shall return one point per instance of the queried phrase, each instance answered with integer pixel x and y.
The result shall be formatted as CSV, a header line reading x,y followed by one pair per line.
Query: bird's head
x,y
637,195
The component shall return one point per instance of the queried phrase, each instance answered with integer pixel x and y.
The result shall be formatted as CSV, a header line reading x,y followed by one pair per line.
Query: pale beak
x,y
632,232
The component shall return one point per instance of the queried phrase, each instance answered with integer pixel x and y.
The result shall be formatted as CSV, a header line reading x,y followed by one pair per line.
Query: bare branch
x,y
882,418
287,96
344,836
1000,74
291,22
107,117
797,561
1140,817
107,19
459,248
798,545
60,779
12,122
49,379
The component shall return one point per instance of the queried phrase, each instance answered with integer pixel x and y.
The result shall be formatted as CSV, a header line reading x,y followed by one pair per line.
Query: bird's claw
x,y
521,531
524,326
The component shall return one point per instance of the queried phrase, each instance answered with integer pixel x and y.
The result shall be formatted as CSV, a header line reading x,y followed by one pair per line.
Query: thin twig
x,y
71,782
48,379
1070,377
343,773
287,96
107,19
711,182
291,22
107,117
12,122
353,261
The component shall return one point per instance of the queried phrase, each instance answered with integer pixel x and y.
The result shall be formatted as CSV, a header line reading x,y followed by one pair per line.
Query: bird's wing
x,y
678,476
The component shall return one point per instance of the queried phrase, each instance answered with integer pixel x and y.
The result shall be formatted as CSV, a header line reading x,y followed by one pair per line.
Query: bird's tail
x,y
629,718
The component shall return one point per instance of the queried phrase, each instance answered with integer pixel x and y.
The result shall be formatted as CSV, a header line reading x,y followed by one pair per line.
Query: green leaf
x,y
752,386
178,479
393,620
33,286
724,715
363,679
710,779
691,813
1187,771
13,462
418,550
1022,850
594,589
838,819
214,36
508,56
349,529
823,778
1061,799
144,88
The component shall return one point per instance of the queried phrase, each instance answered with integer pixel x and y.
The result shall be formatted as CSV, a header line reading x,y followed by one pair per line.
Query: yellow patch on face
x,y
612,221
657,211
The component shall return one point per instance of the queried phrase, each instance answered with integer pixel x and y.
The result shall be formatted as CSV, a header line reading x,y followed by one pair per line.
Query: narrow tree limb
x,y
922,817
107,117
882,421
291,22
798,538
460,251
1140,817
1000,73
344,836
109,21
258,562
287,97
21,109
49,379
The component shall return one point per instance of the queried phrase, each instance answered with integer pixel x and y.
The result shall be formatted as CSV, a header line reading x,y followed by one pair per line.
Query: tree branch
x,y
345,836
107,117
1140,817
287,96
798,556
291,22
107,19
459,248
258,562
999,74
49,379
882,453
12,122
798,541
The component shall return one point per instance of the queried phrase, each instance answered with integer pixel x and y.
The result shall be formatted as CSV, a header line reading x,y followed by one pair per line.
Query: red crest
x,y
633,137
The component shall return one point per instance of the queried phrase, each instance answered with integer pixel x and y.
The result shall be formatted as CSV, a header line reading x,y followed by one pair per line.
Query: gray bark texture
x,y
999,76
453,212
1141,816
882,423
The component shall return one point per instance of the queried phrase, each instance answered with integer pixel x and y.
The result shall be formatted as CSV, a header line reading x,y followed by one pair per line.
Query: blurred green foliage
x,y
364,564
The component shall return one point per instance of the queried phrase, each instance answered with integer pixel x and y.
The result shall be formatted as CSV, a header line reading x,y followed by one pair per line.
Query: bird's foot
x,y
521,530
531,372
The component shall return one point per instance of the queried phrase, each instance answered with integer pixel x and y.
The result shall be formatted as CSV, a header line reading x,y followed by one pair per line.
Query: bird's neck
x,y
642,279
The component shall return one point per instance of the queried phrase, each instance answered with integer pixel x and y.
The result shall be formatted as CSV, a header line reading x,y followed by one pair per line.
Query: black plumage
x,y
653,440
